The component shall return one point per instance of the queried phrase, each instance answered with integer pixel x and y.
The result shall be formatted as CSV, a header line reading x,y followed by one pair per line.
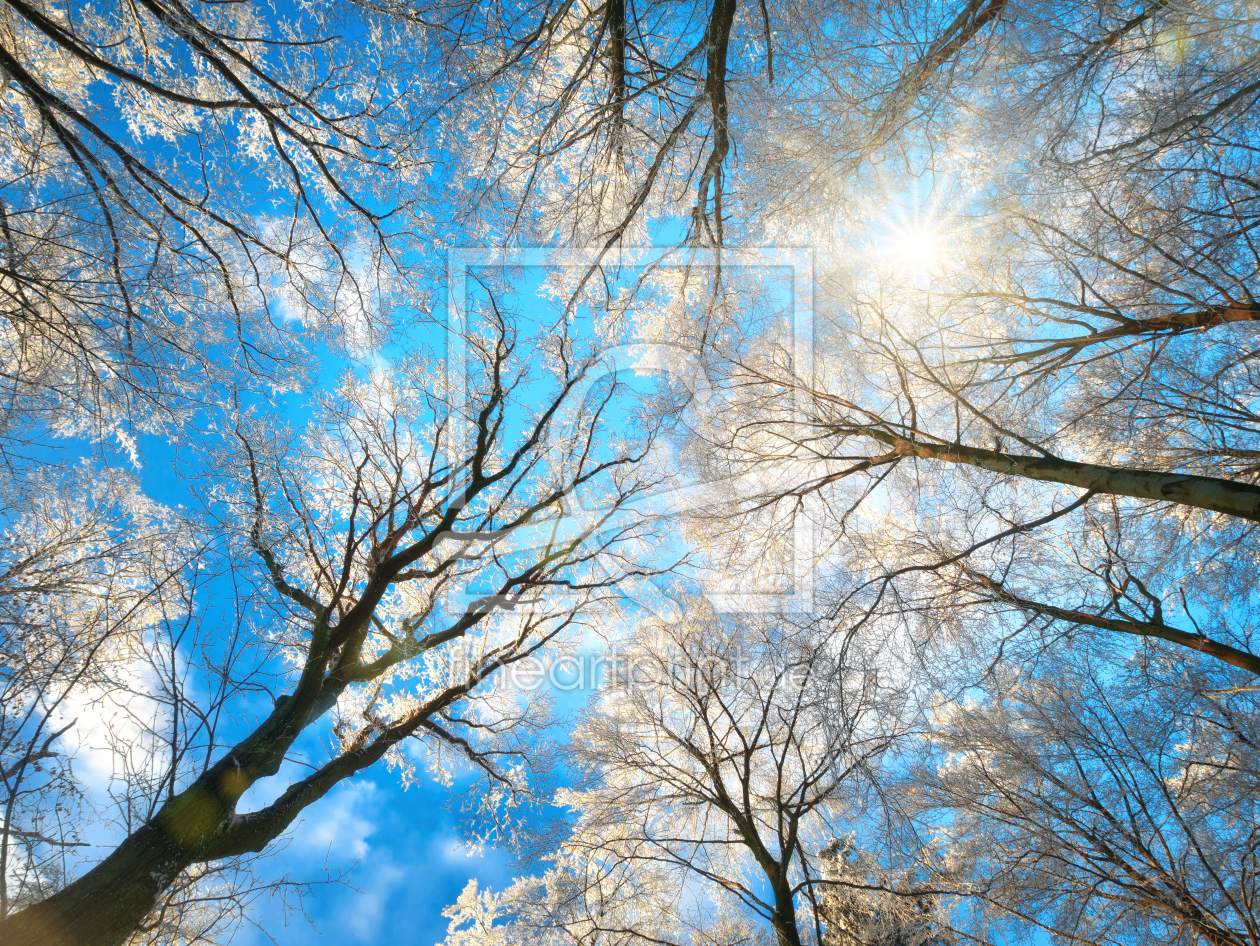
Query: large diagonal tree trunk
x,y
108,903
1202,492
105,905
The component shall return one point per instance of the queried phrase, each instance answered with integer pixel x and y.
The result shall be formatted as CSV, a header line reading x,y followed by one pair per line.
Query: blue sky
x,y
403,854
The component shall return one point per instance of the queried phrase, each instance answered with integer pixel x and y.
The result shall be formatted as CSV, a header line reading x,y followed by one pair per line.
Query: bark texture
x,y
1202,492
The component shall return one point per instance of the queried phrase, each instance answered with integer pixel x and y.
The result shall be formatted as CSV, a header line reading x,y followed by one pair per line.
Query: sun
x,y
914,237
915,249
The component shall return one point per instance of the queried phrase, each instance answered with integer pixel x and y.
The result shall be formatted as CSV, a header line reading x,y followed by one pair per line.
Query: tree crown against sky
x,y
716,767
1022,440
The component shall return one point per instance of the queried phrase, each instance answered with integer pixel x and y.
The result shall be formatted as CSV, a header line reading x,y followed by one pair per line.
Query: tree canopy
x,y
926,573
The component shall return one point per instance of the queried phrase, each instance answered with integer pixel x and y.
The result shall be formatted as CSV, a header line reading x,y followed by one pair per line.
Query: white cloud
x,y
364,922
107,723
342,822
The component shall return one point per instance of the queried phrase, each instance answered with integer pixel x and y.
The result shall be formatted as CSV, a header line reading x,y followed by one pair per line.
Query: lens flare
x,y
914,250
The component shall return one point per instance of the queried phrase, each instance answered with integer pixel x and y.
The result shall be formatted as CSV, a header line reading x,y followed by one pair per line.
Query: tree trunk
x,y
108,903
1202,492
1234,656
784,919
105,905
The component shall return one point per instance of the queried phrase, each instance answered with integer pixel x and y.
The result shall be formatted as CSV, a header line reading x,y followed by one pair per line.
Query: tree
x,y
940,370
621,115
713,767
1029,408
861,905
1028,412
1107,805
141,268
394,495
1075,321
89,566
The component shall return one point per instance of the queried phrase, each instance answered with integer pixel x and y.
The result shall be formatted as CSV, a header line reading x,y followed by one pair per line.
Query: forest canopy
x,y
869,385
